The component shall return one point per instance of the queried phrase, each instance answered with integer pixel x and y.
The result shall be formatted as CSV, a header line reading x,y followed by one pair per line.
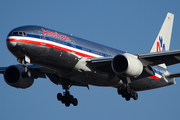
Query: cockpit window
x,y
19,33
24,33
15,33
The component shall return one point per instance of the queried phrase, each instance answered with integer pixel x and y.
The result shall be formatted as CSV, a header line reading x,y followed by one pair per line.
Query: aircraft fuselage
x,y
61,52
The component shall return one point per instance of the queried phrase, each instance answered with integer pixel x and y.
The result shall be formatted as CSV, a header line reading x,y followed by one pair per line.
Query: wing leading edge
x,y
156,58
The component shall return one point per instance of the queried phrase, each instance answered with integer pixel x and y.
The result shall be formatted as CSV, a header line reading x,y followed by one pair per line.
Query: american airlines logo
x,y
56,35
160,45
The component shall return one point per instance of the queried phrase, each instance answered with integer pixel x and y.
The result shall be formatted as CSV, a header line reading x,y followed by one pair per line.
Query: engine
x,y
15,76
127,64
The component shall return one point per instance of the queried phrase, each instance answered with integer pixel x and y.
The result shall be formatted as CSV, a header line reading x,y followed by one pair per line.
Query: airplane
x,y
71,61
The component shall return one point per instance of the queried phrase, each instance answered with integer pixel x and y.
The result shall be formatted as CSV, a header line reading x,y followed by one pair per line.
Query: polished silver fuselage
x,y
65,55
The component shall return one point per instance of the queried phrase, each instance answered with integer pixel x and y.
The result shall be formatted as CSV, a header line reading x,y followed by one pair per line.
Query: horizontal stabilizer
x,y
175,75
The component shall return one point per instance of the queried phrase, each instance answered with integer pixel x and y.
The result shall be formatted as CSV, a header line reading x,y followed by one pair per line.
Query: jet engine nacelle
x,y
15,76
127,64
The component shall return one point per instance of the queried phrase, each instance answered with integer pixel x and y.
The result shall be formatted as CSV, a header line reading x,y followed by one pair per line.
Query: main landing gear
x,y
67,98
127,93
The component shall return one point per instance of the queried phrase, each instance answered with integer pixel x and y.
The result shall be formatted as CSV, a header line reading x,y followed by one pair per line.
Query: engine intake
x,y
127,64
13,76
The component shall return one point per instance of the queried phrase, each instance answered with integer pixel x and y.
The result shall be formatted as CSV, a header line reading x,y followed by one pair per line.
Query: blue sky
x,y
126,25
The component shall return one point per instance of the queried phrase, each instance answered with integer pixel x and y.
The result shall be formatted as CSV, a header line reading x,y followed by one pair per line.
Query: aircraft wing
x,y
41,72
155,58
2,69
103,64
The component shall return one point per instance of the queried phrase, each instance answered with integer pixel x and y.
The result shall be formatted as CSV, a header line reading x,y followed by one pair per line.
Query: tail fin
x,y
163,38
162,42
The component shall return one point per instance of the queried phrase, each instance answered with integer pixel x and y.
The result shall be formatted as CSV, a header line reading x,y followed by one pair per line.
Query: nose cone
x,y
12,45
10,42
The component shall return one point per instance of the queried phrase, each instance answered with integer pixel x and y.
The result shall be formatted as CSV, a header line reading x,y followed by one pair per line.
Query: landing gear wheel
x,y
67,103
123,95
135,96
128,90
71,98
63,100
132,93
127,98
59,96
120,90
75,102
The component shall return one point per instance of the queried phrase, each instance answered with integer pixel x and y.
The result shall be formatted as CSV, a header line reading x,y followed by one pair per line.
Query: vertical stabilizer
x,y
162,41
163,38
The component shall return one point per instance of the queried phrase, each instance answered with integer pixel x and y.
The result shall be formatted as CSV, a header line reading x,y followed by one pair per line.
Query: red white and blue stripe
x,y
65,46
57,44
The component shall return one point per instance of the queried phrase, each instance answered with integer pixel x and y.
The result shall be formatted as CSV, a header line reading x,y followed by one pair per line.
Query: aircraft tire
x,y
135,96
75,102
71,99
132,93
123,95
128,90
127,98
63,100
59,96
119,90
67,103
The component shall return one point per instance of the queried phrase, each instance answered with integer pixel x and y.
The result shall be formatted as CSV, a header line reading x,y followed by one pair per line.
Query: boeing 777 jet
x,y
71,61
